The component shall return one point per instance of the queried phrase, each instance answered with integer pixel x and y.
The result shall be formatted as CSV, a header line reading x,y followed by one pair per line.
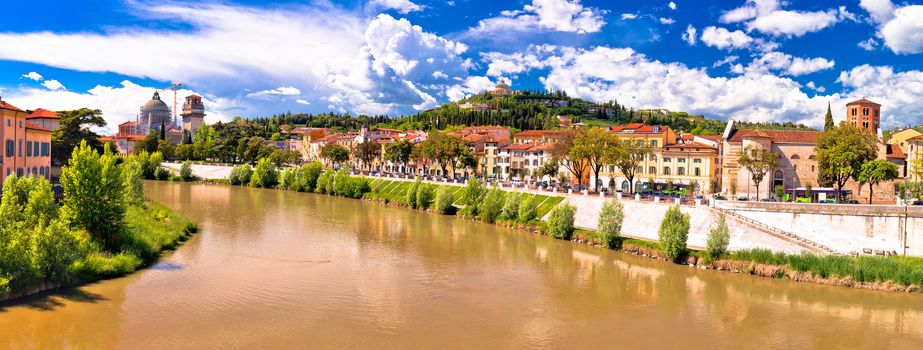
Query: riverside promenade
x,y
642,218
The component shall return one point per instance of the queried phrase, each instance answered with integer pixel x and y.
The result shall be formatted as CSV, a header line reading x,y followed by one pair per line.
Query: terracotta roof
x,y
896,152
521,146
43,113
4,105
786,136
528,133
716,138
128,123
130,137
638,128
690,145
862,101
30,126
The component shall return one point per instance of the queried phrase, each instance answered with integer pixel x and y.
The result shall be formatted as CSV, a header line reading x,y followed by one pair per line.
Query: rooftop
x,y
784,136
43,113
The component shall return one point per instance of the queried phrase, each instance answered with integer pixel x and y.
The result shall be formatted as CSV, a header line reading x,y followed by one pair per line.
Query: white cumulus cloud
x,y
880,11
904,33
546,15
401,6
722,38
280,91
788,64
689,36
665,20
52,84
672,5
34,76
793,23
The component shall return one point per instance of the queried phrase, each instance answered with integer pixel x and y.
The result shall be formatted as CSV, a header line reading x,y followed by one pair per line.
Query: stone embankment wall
x,y
863,229
642,220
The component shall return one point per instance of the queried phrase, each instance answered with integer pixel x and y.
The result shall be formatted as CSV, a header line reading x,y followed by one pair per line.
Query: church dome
x,y
155,105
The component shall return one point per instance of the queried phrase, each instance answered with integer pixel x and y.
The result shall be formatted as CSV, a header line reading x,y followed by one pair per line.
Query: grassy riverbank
x,y
102,228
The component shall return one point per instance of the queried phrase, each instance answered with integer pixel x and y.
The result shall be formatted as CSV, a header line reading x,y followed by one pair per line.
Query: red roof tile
x,y
862,101
4,105
785,136
896,152
43,113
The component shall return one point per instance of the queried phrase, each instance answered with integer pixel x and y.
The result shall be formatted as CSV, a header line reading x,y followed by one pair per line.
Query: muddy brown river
x,y
273,269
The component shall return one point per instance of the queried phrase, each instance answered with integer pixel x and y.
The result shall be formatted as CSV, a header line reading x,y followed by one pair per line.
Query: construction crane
x,y
174,87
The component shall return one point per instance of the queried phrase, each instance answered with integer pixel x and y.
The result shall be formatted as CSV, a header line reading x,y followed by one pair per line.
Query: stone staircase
x,y
788,236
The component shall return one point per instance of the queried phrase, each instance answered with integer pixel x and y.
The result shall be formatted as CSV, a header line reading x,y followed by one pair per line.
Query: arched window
x,y
625,185
794,157
666,170
812,157
778,174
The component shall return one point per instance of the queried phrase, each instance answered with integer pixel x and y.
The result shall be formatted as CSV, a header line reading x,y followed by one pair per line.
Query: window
x,y
795,157
681,171
812,168
666,159
640,143
652,170
20,124
46,149
666,170
35,148
698,172
9,123
29,149
697,160
19,172
639,170
653,143
10,146
854,111
41,171
653,157
681,160
19,148
535,162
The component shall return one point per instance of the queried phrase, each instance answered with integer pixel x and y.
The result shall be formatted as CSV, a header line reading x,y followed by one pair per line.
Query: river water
x,y
275,269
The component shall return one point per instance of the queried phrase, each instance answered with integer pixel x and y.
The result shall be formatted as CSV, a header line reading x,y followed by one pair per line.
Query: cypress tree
x,y
828,119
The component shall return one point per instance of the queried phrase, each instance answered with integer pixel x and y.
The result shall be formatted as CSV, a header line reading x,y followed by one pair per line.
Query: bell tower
x,y
864,114
193,113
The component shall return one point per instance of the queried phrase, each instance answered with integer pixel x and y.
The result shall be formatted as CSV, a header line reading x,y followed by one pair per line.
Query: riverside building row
x,y
26,144
706,164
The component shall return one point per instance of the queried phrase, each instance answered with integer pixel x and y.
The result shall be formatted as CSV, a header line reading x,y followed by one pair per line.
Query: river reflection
x,y
275,269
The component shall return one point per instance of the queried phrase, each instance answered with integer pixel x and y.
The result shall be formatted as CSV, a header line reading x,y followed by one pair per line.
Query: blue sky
x,y
759,60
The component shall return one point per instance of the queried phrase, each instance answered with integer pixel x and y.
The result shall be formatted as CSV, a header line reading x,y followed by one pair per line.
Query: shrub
x,y
674,232
161,174
444,200
329,184
240,175
424,196
153,163
323,181
528,208
341,185
185,171
610,221
491,206
287,179
94,195
133,176
308,175
779,192
511,206
354,187
473,195
410,198
265,174
561,221
718,238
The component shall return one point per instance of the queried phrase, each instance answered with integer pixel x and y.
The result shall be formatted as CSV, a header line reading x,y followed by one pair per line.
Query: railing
x,y
804,242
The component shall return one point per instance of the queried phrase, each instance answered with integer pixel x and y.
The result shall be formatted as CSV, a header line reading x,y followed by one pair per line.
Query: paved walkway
x,y
642,219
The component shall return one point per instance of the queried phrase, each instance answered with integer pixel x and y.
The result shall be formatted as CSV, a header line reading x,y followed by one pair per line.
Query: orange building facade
x,y
26,147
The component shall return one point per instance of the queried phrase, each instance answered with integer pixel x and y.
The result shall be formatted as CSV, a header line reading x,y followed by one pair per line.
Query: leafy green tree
x,y
398,152
564,154
444,200
366,153
474,191
335,154
718,238
841,151
595,146
491,206
149,144
511,206
468,161
444,149
240,175
674,233
876,172
185,171
528,208
75,126
549,168
779,192
94,195
133,176
628,157
809,191
610,221
264,174
758,162
828,119
410,198
308,175
424,197
561,221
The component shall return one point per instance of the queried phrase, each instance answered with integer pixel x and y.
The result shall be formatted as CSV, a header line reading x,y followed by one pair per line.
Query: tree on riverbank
x,y
758,162
561,221
674,233
718,238
841,151
610,221
875,172
94,195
